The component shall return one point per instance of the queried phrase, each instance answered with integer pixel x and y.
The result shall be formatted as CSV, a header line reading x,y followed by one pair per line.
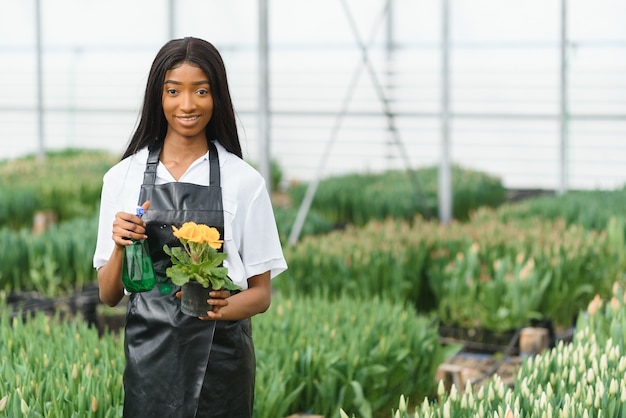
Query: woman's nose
x,y
187,102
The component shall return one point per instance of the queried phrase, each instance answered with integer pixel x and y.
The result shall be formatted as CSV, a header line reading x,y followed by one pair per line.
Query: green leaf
x,y
178,255
177,274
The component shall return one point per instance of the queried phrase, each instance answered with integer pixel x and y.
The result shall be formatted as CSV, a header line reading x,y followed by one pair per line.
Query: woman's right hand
x,y
128,226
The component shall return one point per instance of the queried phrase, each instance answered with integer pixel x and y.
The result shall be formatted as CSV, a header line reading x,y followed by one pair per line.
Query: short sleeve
x,y
261,250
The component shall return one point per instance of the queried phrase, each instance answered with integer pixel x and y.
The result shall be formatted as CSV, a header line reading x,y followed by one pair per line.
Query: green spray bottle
x,y
137,268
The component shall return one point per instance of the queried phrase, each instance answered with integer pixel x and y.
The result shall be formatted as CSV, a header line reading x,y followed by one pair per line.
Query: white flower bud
x,y
572,376
613,387
402,406
604,365
426,406
441,389
446,410
24,407
470,399
454,394
481,393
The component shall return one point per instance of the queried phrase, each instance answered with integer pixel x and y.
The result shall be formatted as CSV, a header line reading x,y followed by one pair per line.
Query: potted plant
x,y
197,266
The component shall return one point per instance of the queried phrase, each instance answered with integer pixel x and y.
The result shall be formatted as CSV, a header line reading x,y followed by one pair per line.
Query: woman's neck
x,y
178,155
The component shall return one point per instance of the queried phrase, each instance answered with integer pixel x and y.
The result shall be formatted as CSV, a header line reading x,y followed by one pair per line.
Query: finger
x,y
119,241
125,234
127,229
219,294
219,303
119,236
211,316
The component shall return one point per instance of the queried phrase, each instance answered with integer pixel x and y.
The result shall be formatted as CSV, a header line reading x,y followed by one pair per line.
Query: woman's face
x,y
187,102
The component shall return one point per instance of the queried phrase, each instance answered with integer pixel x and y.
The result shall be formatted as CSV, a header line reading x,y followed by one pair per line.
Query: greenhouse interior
x,y
447,180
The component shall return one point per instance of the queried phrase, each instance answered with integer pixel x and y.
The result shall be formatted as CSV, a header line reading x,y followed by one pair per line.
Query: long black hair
x,y
152,125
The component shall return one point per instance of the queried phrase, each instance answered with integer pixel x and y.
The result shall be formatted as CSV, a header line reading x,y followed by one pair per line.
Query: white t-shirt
x,y
250,235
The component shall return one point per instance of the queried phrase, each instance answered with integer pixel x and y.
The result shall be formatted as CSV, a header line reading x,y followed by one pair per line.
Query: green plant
x,y
358,354
55,263
317,354
591,209
382,259
584,378
315,223
66,182
56,367
498,294
198,259
359,198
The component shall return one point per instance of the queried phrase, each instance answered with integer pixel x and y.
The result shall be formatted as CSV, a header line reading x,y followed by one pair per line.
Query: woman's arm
x,y
254,300
110,278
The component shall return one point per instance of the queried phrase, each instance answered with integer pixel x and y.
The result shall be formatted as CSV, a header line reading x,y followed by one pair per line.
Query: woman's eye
x,y
171,91
203,92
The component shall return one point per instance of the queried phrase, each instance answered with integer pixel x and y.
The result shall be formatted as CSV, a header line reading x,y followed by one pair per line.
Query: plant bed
x,y
475,340
111,319
86,302
82,303
26,304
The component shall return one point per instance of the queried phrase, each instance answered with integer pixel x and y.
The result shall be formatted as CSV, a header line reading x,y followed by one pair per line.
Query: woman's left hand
x,y
217,299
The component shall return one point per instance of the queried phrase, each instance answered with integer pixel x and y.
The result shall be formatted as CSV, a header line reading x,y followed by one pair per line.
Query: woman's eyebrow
x,y
195,83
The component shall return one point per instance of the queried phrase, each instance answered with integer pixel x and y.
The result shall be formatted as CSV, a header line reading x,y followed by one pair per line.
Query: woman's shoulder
x,y
233,164
131,164
239,177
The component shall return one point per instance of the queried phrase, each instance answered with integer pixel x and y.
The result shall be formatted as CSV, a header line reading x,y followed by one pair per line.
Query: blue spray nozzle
x,y
139,211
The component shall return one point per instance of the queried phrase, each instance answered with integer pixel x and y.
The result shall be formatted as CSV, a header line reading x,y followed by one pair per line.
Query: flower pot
x,y
193,301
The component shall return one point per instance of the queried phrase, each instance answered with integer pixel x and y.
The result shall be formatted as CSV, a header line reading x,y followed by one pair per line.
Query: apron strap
x,y
149,176
214,166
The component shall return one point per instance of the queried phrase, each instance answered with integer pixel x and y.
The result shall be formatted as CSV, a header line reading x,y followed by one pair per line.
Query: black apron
x,y
178,365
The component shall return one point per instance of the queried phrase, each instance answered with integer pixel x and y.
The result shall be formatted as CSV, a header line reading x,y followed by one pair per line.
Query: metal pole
x,y
389,52
445,176
264,113
171,19
564,116
40,107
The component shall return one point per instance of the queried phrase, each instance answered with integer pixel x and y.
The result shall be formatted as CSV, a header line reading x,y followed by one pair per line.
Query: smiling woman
x,y
184,164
